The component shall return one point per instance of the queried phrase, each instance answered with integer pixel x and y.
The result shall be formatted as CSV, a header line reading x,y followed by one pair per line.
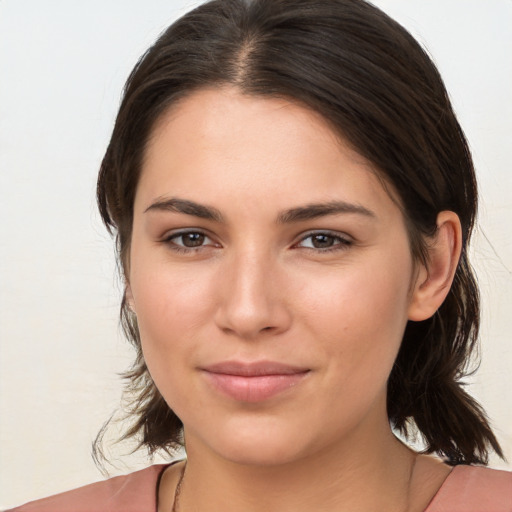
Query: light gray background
x,y
62,67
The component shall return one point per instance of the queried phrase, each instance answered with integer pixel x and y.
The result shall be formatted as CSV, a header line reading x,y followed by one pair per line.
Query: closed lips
x,y
257,369
254,382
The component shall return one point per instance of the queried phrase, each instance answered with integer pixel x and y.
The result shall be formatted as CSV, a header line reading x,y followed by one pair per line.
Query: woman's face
x,y
271,276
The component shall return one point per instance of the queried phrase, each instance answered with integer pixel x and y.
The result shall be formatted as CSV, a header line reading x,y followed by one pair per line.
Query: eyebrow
x,y
316,210
298,214
187,207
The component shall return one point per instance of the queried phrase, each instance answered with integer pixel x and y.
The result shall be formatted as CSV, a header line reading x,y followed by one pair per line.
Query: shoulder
x,y
474,489
135,492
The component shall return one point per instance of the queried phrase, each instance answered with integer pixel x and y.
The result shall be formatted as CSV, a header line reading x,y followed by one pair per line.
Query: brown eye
x,y
192,239
188,241
324,242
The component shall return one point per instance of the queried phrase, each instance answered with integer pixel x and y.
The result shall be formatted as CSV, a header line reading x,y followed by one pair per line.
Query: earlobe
x,y
433,282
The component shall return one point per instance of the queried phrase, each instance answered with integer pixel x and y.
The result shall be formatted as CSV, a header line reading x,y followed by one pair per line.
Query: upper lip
x,y
254,369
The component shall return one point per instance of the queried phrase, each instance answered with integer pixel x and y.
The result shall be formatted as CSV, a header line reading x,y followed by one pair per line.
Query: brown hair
x,y
368,77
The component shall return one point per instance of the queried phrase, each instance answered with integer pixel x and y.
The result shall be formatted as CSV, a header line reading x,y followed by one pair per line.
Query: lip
x,y
255,381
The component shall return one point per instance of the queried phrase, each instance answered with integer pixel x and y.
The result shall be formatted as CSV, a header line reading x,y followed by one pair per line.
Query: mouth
x,y
253,382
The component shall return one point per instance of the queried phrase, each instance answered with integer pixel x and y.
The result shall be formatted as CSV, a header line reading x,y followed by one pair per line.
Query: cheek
x,y
169,303
358,318
168,325
172,306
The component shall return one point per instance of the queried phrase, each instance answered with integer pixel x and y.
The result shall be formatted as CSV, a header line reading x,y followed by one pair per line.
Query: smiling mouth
x,y
253,382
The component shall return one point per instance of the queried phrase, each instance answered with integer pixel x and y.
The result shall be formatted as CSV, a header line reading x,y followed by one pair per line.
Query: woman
x,y
293,199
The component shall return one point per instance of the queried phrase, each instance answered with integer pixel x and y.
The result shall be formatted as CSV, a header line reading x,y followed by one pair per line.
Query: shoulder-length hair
x,y
368,77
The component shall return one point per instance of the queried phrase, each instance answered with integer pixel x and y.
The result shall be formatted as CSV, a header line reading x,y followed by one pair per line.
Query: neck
x,y
356,476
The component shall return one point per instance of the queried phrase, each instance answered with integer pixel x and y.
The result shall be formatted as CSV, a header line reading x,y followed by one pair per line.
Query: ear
x,y
433,282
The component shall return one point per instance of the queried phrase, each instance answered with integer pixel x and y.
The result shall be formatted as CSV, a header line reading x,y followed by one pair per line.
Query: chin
x,y
263,443
260,453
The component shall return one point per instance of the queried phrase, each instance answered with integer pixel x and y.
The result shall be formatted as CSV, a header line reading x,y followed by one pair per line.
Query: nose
x,y
252,298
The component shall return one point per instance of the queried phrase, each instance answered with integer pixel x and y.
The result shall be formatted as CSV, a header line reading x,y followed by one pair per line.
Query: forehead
x,y
219,144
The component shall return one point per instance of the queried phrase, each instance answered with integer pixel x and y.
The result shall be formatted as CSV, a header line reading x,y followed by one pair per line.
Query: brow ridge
x,y
292,215
187,207
316,210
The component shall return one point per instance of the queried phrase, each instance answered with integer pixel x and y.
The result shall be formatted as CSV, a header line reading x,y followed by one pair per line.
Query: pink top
x,y
467,489
474,489
136,492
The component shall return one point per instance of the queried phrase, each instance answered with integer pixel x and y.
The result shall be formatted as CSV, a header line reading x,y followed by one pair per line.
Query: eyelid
x,y
343,239
169,237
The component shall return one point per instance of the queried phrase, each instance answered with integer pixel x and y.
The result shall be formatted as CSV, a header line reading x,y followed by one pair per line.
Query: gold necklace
x,y
176,499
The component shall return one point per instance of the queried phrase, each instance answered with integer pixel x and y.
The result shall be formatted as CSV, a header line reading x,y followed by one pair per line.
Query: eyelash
x,y
169,240
340,243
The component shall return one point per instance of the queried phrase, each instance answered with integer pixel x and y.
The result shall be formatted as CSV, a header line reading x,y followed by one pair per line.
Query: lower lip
x,y
256,388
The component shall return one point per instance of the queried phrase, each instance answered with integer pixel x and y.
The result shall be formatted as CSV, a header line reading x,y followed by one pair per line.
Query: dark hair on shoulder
x,y
369,78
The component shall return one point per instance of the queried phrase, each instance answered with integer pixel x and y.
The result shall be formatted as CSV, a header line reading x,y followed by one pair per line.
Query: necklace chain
x,y
176,499
175,502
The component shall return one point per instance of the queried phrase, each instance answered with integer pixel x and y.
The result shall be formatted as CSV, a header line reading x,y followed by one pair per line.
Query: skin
x,y
330,294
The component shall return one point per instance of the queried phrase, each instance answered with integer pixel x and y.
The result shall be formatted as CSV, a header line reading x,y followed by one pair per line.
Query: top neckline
x,y
430,507
445,484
